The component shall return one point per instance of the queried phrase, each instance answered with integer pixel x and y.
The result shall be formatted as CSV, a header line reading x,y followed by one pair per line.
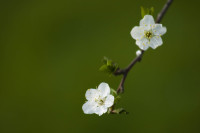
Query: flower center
x,y
100,101
148,34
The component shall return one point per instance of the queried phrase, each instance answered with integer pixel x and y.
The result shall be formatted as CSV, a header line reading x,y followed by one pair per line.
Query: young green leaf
x,y
143,11
103,68
117,99
120,111
147,11
113,92
108,66
151,11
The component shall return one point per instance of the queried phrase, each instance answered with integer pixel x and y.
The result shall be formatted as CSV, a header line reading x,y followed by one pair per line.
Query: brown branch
x,y
163,11
125,71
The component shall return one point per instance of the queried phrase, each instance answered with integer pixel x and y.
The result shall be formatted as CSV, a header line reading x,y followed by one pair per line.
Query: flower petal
x,y
89,107
101,110
158,29
137,32
148,20
155,42
104,89
91,94
143,43
109,101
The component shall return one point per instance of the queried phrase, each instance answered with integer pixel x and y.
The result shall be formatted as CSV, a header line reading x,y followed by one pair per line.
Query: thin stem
x,y
121,85
163,11
125,71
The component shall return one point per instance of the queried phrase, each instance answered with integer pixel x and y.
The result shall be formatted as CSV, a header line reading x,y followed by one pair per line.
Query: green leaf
x,y
108,66
143,11
147,11
151,11
120,111
103,68
117,96
113,92
109,110
117,99
109,62
104,60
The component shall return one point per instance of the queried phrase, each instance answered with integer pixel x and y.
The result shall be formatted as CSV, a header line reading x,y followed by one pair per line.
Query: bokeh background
x,y
51,50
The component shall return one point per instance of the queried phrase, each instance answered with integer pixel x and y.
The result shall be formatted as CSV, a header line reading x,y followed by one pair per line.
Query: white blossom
x,y
99,100
138,52
148,34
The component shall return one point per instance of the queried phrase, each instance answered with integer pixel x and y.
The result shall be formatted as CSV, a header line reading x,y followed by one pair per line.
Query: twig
x,y
163,11
125,71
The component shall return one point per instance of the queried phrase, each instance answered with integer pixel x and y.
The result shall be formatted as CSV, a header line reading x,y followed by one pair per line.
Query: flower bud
x,y
138,52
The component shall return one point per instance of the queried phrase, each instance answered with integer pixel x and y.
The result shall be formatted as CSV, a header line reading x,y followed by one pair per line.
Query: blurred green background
x,y
50,53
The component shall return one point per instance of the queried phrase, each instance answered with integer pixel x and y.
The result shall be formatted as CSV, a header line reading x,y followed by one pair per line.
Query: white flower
x,y
99,100
138,52
148,34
